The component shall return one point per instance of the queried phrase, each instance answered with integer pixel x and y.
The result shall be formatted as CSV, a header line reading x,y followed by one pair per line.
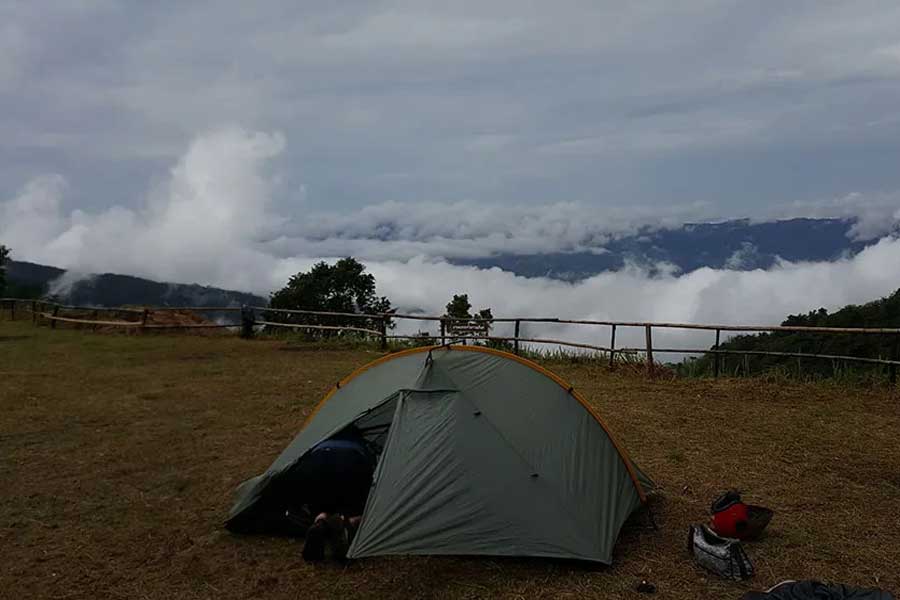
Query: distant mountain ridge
x,y
31,280
738,245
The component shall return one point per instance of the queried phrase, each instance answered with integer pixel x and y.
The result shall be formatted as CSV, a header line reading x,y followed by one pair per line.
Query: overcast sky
x,y
733,106
235,143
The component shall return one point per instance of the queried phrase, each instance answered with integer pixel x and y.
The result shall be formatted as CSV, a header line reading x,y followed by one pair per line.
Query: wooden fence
x,y
457,330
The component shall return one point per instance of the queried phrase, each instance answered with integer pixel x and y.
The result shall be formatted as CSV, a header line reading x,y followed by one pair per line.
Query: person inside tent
x,y
335,477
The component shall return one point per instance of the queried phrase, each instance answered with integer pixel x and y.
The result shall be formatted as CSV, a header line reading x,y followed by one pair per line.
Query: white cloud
x,y
470,229
743,257
760,297
33,217
201,225
875,214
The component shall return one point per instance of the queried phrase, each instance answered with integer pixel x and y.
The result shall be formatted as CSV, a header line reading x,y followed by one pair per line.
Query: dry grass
x,y
120,454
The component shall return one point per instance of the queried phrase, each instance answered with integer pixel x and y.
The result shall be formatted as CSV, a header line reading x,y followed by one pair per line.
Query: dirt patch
x,y
176,317
155,318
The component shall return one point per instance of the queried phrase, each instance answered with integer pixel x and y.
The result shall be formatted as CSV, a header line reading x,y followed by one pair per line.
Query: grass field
x,y
120,454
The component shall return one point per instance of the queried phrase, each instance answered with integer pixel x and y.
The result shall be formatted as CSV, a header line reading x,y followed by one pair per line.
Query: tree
x,y
459,310
4,256
879,314
459,307
342,287
486,315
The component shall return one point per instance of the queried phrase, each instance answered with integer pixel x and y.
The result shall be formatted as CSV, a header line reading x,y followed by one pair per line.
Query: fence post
x,y
649,332
248,321
716,355
443,333
53,320
516,341
12,310
612,347
34,312
96,316
144,319
895,356
384,320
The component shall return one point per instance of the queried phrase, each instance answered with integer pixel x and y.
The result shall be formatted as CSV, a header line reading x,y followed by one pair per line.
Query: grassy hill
x,y
882,313
121,454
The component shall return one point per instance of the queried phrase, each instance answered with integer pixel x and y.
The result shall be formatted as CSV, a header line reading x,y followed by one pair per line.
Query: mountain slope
x,y
882,313
738,245
33,280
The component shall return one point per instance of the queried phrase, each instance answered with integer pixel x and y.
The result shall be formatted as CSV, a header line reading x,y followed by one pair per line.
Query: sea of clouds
x,y
213,221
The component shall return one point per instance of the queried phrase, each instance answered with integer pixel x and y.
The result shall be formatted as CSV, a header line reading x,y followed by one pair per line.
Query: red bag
x,y
731,522
730,516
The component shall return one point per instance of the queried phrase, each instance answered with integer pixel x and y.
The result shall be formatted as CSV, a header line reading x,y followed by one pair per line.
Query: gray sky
x,y
741,107
235,144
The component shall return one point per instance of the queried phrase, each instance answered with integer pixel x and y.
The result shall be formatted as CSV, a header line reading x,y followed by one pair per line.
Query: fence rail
x,y
462,330
56,318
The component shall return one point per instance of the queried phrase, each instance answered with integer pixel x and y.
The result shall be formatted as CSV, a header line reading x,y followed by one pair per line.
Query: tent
x,y
482,452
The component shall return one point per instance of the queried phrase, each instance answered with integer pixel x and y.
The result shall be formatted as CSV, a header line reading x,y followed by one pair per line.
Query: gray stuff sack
x,y
723,556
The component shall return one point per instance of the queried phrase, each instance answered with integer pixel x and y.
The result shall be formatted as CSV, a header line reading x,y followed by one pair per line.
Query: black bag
x,y
816,590
726,500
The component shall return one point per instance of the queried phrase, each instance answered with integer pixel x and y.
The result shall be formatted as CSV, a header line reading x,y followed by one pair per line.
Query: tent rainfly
x,y
481,453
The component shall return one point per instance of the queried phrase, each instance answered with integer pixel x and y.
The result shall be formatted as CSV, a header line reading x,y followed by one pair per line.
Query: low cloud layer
x,y
874,214
212,221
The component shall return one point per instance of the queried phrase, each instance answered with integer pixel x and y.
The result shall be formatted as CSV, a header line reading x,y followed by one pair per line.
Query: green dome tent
x,y
482,453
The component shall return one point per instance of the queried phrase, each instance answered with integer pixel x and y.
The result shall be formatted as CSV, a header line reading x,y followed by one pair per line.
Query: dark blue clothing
x,y
340,444
815,590
335,476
